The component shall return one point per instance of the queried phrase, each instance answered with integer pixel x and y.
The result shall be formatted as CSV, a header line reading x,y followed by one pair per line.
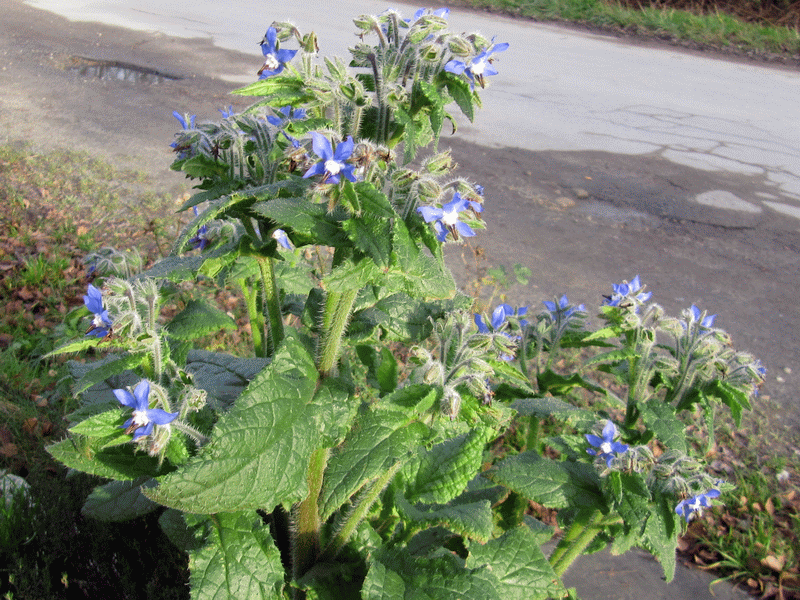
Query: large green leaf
x,y
660,418
551,483
517,565
472,520
238,561
223,376
384,436
397,574
442,473
259,450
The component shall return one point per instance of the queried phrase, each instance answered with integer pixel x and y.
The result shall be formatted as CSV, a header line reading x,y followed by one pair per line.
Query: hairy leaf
x,y
119,500
259,449
239,561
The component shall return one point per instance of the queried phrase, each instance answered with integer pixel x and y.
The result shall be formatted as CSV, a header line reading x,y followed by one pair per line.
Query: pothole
x,y
108,70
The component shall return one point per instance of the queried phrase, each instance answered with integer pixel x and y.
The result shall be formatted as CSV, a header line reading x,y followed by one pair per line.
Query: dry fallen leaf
x,y
774,562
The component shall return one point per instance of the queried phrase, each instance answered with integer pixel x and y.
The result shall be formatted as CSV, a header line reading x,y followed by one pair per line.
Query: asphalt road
x,y
580,216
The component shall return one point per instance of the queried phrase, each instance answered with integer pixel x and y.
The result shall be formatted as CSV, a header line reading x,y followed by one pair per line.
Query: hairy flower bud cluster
x,y
111,262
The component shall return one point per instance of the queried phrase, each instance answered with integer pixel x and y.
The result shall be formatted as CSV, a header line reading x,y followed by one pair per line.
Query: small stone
x,y
565,202
580,193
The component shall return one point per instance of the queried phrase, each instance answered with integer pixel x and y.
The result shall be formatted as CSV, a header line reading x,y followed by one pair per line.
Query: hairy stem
x,y
583,530
256,318
361,511
272,302
334,322
306,544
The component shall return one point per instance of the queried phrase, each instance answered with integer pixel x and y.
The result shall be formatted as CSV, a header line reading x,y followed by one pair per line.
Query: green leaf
x,y
371,236
117,462
223,376
106,426
384,435
306,218
398,318
559,385
259,450
442,473
660,418
548,482
661,535
119,500
197,319
374,202
106,369
239,561
351,275
76,346
733,397
397,574
472,520
173,523
517,565
279,90
459,91
381,368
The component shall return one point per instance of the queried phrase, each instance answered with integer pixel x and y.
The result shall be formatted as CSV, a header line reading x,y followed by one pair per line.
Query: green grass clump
x,y
718,29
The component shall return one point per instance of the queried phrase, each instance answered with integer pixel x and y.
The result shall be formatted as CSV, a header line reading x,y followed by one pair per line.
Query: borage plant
x,y
379,441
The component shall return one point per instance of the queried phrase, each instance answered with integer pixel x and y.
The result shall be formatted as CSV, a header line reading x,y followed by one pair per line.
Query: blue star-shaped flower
x,y
693,507
563,309
499,316
186,121
479,67
289,114
227,112
707,321
274,60
446,218
439,12
626,290
101,323
606,446
144,418
333,163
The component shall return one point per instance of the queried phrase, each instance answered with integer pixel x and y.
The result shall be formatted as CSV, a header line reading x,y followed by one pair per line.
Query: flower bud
x,y
459,46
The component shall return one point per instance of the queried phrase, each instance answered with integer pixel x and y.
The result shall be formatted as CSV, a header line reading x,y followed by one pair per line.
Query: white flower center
x,y
140,418
605,448
271,62
450,218
333,166
478,67
98,321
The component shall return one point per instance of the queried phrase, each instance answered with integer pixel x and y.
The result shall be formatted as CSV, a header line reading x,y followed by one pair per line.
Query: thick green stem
x,y
580,534
306,546
272,302
532,441
256,318
334,322
361,511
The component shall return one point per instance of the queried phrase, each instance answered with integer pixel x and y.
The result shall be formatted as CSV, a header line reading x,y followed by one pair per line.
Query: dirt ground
x,y
579,220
